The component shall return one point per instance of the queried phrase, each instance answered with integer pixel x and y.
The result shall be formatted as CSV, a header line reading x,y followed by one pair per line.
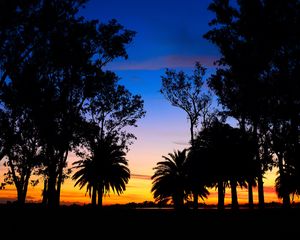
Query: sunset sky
x,y
169,34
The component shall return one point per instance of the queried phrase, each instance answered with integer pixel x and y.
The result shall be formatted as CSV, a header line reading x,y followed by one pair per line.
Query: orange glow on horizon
x,y
137,190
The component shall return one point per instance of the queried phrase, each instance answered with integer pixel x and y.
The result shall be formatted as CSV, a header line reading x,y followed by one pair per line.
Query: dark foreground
x,y
35,222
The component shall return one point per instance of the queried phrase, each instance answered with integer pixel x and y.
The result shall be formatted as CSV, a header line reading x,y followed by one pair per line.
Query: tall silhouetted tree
x,y
54,57
187,93
22,151
264,35
284,86
105,170
239,34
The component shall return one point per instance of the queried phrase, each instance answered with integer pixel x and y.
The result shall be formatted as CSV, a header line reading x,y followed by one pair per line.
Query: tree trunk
x,y
234,197
195,203
285,194
26,182
250,193
20,198
51,189
60,176
195,193
192,133
94,196
45,192
250,181
260,183
58,186
221,195
18,182
178,202
100,196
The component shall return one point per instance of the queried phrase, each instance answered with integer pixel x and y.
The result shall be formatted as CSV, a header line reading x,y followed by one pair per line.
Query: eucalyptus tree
x,y
64,55
257,74
22,152
187,92
240,34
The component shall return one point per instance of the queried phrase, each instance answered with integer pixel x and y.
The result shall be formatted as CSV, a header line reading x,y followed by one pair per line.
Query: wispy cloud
x,y
172,61
141,176
181,143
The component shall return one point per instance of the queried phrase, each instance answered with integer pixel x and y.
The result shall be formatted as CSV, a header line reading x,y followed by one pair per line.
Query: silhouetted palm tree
x,y
104,171
286,185
170,179
86,176
112,167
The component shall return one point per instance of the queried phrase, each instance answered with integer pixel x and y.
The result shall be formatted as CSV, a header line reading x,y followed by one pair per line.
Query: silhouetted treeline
x,y
56,98
257,84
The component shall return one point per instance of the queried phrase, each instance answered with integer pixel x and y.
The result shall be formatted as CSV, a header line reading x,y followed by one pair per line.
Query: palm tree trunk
x,y
178,202
195,203
250,194
234,197
221,195
100,197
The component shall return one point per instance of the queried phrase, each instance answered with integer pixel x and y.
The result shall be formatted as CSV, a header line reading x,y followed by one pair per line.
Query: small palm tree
x,y
286,185
170,179
112,169
106,170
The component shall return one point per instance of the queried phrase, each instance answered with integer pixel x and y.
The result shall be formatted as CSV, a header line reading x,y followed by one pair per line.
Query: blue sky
x,y
163,27
169,35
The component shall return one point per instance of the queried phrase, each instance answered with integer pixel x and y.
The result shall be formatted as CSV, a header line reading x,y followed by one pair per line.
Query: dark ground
x,y
35,222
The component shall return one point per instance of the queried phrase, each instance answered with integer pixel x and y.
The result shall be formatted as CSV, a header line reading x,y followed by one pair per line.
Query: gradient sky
x,y
169,34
